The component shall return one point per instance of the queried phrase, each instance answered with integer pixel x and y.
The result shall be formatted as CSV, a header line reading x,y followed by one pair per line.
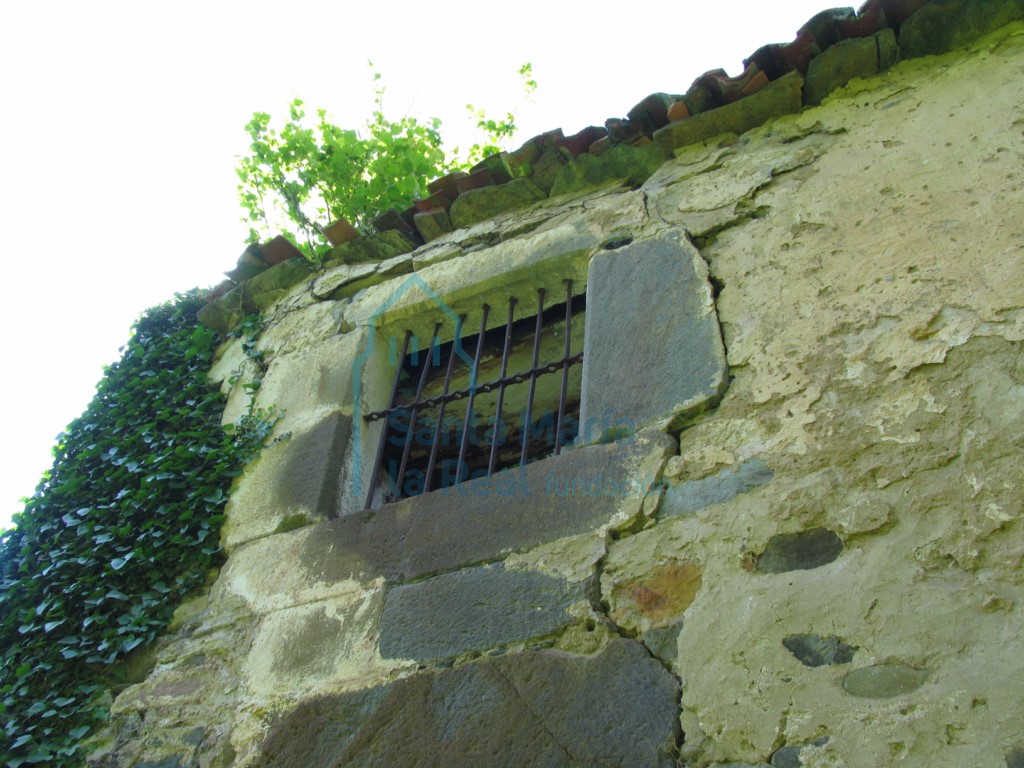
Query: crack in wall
x,y
601,609
533,713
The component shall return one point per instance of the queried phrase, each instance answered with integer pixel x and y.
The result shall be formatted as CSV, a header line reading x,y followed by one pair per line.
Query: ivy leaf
x,y
22,740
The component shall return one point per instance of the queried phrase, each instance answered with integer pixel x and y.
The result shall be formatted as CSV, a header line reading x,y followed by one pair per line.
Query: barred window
x,y
481,403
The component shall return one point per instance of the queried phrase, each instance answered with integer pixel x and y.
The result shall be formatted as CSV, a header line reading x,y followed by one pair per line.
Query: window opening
x,y
448,421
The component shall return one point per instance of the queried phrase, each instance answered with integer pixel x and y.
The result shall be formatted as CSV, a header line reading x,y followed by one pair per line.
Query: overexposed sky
x,y
120,123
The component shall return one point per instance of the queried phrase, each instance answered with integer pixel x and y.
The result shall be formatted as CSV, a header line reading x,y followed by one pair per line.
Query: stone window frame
x,y
684,372
435,364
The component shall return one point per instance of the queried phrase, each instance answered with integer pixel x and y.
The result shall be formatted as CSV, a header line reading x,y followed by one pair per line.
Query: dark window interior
x,y
482,454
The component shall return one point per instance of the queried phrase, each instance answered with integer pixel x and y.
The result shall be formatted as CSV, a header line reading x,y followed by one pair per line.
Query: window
x,y
481,403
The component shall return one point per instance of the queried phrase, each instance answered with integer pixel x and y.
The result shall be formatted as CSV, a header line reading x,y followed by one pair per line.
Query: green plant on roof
x,y
309,173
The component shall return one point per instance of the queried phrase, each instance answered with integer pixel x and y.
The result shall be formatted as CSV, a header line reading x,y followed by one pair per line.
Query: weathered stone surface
x,y
321,644
485,202
224,313
789,756
654,295
942,25
294,482
815,650
847,59
481,519
621,163
289,332
396,265
309,384
313,458
547,167
1015,758
709,190
541,708
169,762
191,693
883,681
371,248
433,224
726,485
799,551
663,642
484,607
657,598
435,253
260,292
345,281
782,97
517,267
340,275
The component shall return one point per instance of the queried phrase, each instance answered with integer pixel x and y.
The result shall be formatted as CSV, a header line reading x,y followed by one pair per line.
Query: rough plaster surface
x,y
826,570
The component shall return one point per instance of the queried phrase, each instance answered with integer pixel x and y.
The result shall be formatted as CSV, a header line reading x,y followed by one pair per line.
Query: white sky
x,y
120,123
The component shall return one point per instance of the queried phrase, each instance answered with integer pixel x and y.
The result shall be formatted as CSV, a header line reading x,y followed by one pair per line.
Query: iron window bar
x,y
504,380
472,394
443,402
492,460
524,457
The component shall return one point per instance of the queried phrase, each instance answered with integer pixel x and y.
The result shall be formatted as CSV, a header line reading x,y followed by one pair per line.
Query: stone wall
x,y
806,551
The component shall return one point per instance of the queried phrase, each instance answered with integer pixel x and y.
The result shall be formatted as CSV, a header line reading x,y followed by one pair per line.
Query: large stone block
x,y
653,348
346,280
309,647
293,483
942,25
722,487
485,202
801,551
306,384
223,313
622,162
260,292
267,574
516,267
480,520
371,248
484,607
857,57
544,709
335,279
782,97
